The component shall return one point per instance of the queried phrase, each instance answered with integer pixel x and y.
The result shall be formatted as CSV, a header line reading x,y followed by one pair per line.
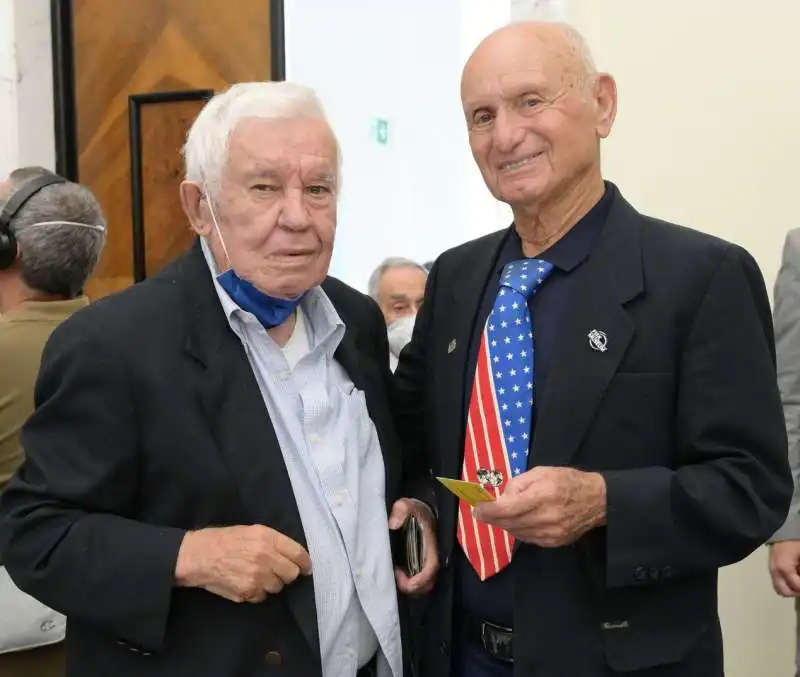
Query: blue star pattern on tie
x,y
511,354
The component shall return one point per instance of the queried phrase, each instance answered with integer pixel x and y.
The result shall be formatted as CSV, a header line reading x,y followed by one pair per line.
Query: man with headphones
x,y
51,235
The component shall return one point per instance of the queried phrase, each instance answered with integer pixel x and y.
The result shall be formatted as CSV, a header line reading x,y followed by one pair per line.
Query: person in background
x,y
398,286
608,377
212,470
784,556
51,235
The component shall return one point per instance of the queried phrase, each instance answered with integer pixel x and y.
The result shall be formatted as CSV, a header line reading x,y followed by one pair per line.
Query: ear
x,y
605,96
193,206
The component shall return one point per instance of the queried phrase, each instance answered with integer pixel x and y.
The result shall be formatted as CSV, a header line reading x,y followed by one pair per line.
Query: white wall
x,y
398,61
26,85
8,109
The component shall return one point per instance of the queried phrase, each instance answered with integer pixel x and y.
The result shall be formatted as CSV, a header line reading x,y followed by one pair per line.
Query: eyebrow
x,y
328,178
262,173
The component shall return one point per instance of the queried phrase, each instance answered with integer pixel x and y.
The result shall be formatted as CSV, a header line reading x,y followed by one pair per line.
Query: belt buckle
x,y
498,641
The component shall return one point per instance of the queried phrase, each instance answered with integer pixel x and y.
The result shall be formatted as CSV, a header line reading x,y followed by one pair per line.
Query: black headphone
x,y
8,245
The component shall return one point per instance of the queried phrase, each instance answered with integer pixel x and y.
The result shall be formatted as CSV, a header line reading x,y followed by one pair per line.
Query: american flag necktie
x,y
500,410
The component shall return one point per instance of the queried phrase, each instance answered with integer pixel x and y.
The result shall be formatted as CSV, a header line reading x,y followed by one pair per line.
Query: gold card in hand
x,y
471,492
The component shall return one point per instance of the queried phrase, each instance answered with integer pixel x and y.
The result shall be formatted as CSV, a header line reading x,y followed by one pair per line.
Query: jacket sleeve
x,y
68,532
787,342
730,485
410,404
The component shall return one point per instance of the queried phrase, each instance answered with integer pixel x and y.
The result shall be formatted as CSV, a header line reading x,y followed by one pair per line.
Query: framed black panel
x,y
277,40
135,102
64,103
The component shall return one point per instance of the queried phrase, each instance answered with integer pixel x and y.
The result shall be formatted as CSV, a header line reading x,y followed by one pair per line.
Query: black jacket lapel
x,y
580,372
457,314
240,425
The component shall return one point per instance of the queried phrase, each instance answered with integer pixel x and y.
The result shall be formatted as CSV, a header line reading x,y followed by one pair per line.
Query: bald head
x,y
560,43
536,109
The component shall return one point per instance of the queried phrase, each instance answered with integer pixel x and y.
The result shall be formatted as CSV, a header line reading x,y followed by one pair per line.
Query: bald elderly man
x,y
609,377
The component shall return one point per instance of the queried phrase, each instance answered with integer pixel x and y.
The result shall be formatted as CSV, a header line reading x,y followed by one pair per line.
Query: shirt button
x,y
314,438
339,498
284,376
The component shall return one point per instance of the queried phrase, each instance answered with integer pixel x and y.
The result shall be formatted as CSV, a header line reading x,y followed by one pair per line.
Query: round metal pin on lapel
x,y
598,340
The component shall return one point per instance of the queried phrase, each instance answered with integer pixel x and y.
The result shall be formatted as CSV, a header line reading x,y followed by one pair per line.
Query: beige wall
x,y
708,135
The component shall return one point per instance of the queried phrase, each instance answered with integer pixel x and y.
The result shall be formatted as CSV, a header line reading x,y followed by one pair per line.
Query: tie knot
x,y
526,275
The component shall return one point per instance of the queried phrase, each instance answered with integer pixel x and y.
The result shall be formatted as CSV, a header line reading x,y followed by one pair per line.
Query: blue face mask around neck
x,y
269,311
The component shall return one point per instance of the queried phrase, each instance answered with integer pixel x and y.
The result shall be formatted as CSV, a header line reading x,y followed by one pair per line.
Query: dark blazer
x,y
681,414
150,422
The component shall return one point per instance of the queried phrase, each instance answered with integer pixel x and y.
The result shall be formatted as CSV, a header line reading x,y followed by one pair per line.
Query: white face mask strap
x,y
99,228
216,226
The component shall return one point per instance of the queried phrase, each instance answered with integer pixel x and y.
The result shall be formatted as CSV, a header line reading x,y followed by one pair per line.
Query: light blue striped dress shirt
x,y
333,457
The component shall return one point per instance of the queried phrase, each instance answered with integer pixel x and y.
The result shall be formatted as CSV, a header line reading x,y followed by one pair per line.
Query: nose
x,y
294,213
508,132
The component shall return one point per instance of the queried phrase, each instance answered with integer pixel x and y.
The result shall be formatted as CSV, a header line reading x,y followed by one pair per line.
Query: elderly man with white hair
x,y
398,287
212,471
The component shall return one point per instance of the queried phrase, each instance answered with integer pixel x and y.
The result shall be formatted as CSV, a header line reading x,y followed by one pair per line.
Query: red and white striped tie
x,y
500,411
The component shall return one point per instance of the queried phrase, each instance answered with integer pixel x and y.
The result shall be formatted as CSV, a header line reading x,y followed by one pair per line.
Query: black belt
x,y
495,639
370,669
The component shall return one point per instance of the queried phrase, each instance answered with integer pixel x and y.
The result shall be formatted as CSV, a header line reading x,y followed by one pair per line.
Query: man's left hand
x,y
423,582
550,507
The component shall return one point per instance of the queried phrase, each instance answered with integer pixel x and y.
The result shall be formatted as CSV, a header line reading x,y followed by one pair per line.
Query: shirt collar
x,y
48,311
325,327
574,247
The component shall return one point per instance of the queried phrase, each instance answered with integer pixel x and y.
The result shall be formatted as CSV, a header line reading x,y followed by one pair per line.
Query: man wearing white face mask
x,y
398,286
212,473
51,236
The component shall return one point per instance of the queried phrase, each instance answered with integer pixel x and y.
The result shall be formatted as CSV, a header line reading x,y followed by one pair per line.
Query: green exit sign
x,y
380,130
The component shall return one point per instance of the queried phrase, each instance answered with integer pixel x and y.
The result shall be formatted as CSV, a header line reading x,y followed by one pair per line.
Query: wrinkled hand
x,y
424,580
784,562
242,563
550,507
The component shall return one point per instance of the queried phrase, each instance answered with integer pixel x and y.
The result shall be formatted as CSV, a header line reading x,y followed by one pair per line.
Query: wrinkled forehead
x,y
538,65
287,146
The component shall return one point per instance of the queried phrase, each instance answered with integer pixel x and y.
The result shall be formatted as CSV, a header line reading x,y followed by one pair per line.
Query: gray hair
x,y
59,258
206,148
387,264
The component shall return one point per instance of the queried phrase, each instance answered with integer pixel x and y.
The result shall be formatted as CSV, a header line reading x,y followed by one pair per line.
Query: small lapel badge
x,y
598,340
451,346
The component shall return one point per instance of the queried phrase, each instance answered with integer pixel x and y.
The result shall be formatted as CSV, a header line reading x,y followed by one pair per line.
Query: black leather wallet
x,y
407,543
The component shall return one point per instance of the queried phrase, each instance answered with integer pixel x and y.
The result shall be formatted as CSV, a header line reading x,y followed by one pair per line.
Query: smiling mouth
x,y
518,164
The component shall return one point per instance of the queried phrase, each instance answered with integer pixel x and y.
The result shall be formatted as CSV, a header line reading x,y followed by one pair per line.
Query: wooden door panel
x,y
127,48
159,125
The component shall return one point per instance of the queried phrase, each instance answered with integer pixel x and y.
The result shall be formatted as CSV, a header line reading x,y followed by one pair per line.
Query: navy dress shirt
x,y
492,600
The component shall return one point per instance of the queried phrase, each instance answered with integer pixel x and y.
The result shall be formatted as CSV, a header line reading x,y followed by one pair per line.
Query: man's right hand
x,y
784,562
242,563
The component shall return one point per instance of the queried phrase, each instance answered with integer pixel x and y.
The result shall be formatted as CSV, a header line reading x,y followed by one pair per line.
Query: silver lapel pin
x,y
451,346
598,340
